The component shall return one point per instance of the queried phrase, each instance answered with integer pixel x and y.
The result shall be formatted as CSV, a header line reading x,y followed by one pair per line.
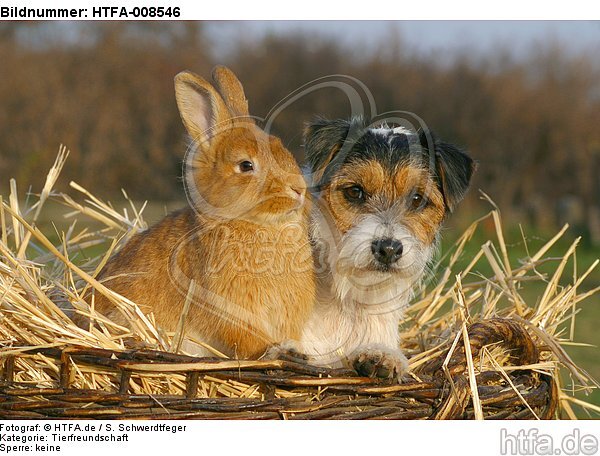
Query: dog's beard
x,y
359,278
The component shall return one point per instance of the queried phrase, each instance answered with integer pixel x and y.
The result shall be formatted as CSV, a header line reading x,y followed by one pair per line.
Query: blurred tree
x,y
106,91
110,100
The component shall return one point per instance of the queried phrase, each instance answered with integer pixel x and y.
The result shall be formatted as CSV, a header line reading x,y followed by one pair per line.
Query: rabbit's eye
x,y
246,166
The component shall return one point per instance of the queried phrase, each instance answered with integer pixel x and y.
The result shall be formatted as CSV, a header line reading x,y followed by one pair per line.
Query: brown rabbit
x,y
243,240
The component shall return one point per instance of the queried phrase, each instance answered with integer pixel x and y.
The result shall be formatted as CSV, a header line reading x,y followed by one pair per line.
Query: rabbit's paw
x,y
381,362
286,351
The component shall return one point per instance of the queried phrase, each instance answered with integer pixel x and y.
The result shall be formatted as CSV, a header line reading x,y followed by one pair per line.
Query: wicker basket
x,y
439,389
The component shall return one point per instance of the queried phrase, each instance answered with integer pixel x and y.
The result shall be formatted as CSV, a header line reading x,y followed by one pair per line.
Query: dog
x,y
380,196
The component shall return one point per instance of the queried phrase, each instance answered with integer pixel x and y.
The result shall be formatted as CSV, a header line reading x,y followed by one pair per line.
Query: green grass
x,y
587,321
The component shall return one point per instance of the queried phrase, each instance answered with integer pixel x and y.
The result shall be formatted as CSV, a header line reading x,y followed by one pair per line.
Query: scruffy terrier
x,y
380,197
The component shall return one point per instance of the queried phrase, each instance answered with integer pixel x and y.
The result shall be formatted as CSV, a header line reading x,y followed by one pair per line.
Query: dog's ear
x,y
453,170
323,139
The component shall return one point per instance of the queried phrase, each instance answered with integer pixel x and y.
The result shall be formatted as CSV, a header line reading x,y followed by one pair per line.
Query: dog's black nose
x,y
386,251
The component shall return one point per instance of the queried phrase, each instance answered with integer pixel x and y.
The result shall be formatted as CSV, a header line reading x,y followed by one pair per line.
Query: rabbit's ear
x,y
200,106
230,87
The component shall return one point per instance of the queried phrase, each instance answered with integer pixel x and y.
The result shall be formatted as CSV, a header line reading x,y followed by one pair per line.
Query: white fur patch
x,y
391,133
384,130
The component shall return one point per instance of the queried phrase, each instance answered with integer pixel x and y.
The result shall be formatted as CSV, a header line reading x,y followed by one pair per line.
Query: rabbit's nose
x,y
297,192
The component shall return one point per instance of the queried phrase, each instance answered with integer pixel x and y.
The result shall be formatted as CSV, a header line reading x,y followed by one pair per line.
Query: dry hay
x,y
477,348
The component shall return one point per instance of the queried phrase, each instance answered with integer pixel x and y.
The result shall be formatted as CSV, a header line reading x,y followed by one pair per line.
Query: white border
x,y
350,9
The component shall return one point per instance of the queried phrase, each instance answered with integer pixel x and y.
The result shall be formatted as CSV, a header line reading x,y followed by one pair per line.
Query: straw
x,y
41,282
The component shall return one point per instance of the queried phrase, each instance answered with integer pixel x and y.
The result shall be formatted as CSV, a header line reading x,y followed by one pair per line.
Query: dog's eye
x,y
354,193
245,166
417,201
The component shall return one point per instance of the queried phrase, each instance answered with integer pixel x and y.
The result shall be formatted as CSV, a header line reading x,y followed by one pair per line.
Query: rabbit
x,y
243,240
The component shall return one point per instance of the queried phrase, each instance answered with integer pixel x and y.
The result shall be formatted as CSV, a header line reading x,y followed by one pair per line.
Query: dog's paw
x,y
286,351
381,362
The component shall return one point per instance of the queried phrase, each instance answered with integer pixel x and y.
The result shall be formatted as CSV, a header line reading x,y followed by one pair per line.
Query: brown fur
x,y
386,187
244,242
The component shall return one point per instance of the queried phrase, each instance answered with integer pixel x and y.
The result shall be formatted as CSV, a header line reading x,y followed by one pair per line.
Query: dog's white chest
x,y
337,330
